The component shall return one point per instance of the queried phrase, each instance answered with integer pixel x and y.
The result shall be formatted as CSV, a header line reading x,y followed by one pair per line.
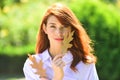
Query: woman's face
x,y
55,30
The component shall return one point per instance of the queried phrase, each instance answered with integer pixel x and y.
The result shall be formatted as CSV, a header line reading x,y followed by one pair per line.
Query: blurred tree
x,y
2,4
8,2
110,1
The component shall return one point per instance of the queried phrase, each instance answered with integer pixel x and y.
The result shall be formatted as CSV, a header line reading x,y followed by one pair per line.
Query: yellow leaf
x,y
66,42
38,66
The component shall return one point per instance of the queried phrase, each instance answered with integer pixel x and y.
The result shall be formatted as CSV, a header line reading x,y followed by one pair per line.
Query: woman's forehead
x,y
53,20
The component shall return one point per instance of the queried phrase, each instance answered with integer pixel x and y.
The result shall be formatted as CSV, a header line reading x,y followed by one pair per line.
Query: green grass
x,y
11,77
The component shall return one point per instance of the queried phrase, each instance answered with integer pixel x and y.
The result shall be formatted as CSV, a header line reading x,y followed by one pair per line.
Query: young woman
x,y
78,63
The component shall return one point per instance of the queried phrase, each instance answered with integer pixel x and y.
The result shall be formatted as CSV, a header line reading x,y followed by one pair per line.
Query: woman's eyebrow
x,y
52,23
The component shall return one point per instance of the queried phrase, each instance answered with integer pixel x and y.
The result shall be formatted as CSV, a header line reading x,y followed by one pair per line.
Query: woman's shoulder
x,y
85,66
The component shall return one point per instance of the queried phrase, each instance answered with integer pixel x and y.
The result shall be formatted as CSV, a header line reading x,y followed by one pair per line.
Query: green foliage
x,y
102,23
19,25
110,1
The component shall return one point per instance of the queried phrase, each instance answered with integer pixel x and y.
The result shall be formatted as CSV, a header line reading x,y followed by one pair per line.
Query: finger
x,y
59,62
62,65
57,56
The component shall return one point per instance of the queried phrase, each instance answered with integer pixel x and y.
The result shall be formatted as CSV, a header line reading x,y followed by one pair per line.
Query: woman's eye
x,y
52,26
63,28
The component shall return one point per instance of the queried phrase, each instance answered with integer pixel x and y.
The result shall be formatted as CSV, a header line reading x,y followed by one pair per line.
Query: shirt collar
x,y
45,55
67,58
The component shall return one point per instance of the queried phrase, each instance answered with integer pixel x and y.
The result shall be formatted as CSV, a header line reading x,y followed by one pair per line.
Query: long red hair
x,y
81,49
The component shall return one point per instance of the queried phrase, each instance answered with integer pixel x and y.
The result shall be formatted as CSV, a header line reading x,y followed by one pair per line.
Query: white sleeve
x,y
29,72
67,78
93,73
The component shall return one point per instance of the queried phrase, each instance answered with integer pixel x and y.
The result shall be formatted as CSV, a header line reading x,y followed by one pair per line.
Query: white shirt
x,y
85,71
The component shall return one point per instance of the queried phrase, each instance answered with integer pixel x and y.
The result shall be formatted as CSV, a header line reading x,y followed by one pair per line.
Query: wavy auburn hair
x,y
81,49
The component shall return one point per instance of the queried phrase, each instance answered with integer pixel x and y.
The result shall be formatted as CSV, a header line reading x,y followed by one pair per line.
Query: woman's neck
x,y
54,51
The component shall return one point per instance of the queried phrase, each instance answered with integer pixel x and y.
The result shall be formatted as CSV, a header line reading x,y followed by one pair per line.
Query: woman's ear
x,y
44,28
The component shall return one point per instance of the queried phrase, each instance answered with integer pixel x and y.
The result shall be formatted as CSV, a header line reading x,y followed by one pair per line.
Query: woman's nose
x,y
59,32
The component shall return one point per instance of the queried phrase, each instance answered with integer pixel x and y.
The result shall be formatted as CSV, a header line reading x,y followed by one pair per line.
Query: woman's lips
x,y
59,39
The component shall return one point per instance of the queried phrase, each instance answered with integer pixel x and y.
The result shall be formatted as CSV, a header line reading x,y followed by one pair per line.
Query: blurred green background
x,y
20,20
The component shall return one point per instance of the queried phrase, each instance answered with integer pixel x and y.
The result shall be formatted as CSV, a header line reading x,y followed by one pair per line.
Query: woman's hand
x,y
57,66
43,79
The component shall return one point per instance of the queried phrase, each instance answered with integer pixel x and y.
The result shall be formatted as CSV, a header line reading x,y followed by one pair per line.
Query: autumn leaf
x,y
66,42
38,66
